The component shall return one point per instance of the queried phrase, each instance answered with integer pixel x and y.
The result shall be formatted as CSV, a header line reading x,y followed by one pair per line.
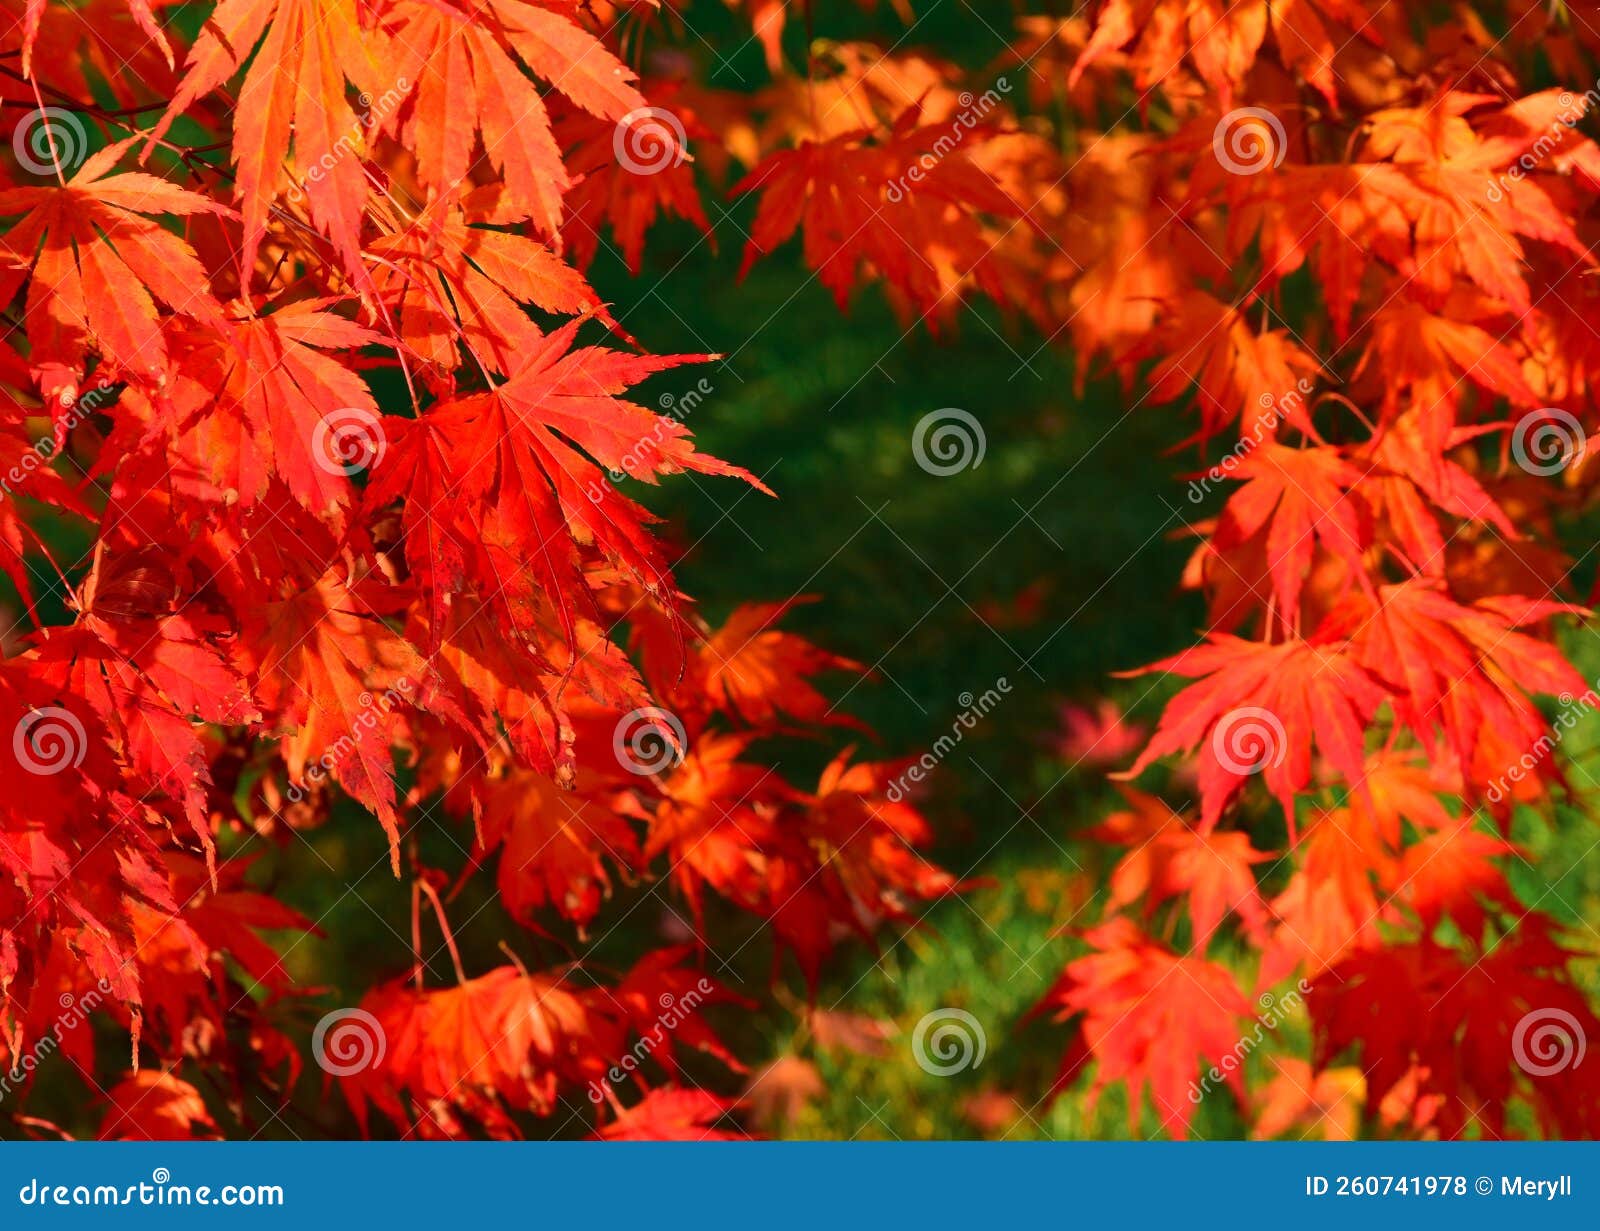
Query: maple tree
x,y
301,343
1370,238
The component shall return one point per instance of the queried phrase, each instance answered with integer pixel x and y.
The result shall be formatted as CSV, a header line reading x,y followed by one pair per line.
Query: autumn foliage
x,y
302,358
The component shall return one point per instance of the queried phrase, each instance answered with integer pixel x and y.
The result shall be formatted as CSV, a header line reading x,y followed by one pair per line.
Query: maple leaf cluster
x,y
1361,250
296,349
303,344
